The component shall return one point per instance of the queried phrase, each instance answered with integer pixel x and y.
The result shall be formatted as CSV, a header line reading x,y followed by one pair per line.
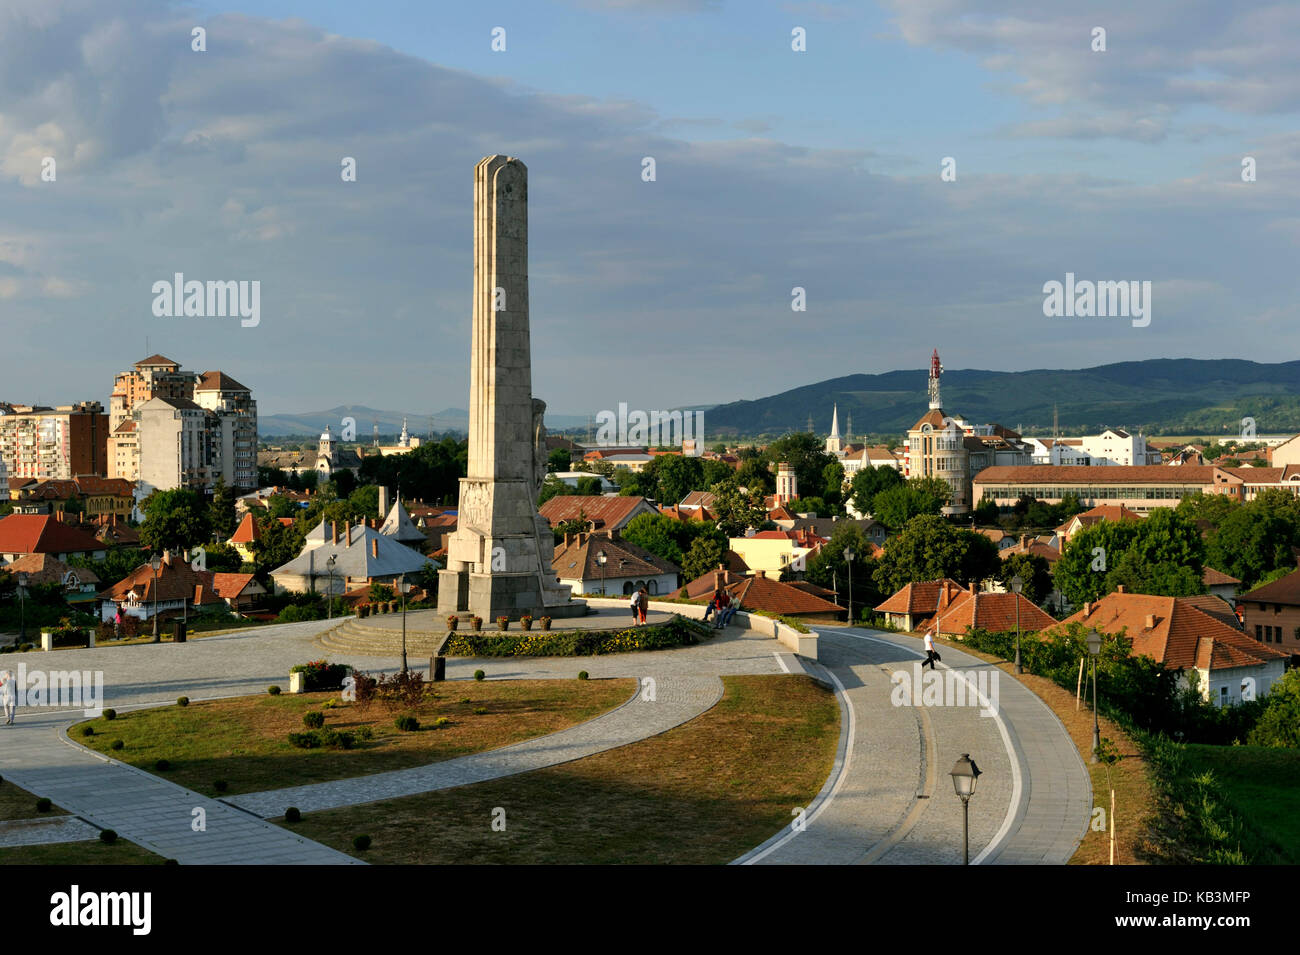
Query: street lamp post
x,y
964,776
600,559
1094,650
848,556
1017,585
401,587
156,564
329,596
22,608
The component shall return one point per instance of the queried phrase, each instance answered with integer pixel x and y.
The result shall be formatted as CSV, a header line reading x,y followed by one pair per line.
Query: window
x,y
1223,696
1259,633
1277,608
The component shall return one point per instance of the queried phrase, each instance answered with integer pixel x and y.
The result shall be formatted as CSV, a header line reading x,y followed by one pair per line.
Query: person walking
x,y
8,695
930,653
643,603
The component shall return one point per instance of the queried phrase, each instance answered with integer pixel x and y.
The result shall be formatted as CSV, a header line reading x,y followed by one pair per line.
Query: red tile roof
x,y
993,612
218,381
156,360
247,532
176,580
605,512
919,598
1174,632
1214,578
43,534
1102,512
229,586
760,593
44,569
1284,590
577,559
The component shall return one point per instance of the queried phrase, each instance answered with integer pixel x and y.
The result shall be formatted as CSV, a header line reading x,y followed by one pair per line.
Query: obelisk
x,y
499,558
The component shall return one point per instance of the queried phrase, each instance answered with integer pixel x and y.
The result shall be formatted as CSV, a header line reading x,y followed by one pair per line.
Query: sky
x,y
775,169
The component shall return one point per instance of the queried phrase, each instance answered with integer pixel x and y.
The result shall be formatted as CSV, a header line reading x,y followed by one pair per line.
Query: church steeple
x,y
834,444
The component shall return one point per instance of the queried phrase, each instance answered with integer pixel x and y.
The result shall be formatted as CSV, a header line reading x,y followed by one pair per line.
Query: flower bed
x,y
677,632
322,675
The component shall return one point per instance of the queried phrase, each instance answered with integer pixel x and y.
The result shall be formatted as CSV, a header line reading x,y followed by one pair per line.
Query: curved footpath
x,y
1032,804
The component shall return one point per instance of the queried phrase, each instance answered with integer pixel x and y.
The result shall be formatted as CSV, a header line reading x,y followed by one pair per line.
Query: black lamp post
x,y
848,556
156,564
964,776
600,559
1017,585
1094,650
329,596
22,608
401,588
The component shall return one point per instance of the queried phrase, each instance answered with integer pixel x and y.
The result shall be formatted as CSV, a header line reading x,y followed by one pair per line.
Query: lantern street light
x,y
156,564
402,588
1017,585
848,556
22,608
1094,650
600,559
964,776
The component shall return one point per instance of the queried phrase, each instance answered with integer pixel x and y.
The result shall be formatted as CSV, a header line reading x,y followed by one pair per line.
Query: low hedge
x,y
677,632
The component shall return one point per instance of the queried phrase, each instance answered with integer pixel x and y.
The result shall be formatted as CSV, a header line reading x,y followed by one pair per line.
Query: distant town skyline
x,y
776,170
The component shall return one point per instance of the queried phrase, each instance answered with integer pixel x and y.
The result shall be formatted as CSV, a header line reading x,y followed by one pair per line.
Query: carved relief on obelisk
x,y
499,558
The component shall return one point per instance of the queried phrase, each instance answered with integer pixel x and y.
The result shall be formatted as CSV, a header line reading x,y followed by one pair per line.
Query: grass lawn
x,y
80,853
244,741
702,793
1262,786
18,803
1136,801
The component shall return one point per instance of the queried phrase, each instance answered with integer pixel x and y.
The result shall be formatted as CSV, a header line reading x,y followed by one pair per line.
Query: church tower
x,y
834,444
325,452
787,486
405,439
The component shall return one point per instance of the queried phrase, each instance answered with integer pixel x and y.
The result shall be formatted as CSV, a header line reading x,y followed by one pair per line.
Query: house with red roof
x,y
601,512
1102,512
757,592
916,603
626,567
1228,664
955,613
176,589
23,534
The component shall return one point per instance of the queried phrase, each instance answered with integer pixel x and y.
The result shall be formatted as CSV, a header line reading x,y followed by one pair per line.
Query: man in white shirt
x,y
930,655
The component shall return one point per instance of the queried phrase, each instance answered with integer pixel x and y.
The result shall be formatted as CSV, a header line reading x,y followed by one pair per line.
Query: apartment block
x,y
57,443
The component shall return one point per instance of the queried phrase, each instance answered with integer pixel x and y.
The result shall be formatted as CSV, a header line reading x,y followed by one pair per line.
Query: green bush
x,y
110,714
273,690
116,744
315,739
88,731
183,701
292,814
440,722
162,765
407,724
479,675
313,719
107,836
220,785
308,740
676,632
43,804
322,675
361,843
480,710
582,674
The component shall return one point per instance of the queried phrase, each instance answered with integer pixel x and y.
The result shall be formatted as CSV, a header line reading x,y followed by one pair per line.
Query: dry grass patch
x,y
702,793
1130,776
244,741
80,853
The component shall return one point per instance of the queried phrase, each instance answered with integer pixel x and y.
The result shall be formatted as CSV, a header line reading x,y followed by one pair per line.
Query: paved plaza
x,y
888,800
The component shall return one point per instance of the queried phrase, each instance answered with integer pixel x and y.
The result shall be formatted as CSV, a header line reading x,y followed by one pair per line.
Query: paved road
x,y
867,812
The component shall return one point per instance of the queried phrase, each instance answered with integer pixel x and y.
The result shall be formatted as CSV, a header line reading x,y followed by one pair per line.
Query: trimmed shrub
x,y
88,731
107,836
43,804
582,674
116,744
361,843
293,814
220,785
479,675
110,714
162,765
677,632
182,701
273,690
322,675
480,710
308,740
407,724
313,719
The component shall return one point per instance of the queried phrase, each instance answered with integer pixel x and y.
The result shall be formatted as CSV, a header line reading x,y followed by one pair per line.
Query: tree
x,y
221,512
223,558
1213,508
928,548
1033,570
676,476
1279,725
829,568
559,460
736,511
986,513
657,534
1251,542
715,471
279,505
811,505
897,505
754,475
552,487
833,482
869,482
278,544
705,555
806,455
174,520
345,482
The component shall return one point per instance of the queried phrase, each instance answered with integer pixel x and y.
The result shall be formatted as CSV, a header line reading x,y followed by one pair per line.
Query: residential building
x,y
603,513
361,555
57,443
1172,631
24,534
1271,613
771,552
1221,585
998,612
757,592
1102,512
626,568
915,604
176,590
327,460
96,496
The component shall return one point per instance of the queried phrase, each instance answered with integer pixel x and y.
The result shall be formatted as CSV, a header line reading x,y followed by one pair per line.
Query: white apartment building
x,y
1114,447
